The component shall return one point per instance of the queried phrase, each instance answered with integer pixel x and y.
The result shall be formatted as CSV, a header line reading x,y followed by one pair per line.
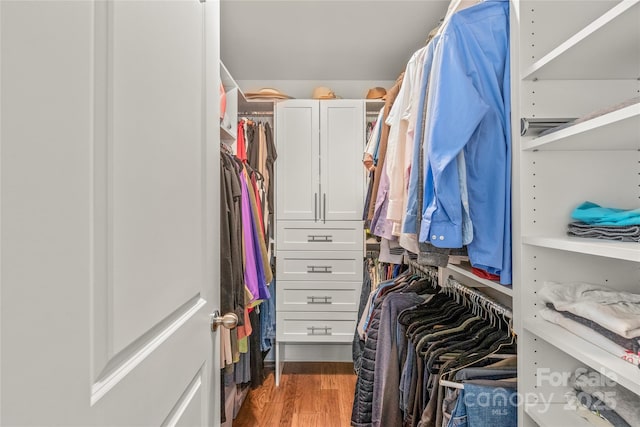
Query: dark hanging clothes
x,y
272,155
256,363
231,269
253,146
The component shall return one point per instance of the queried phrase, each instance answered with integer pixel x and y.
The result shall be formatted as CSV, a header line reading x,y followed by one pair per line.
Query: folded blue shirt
x,y
593,214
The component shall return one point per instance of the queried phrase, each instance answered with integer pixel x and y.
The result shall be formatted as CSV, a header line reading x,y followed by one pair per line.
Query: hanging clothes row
x,y
425,346
441,148
375,273
256,147
245,268
247,281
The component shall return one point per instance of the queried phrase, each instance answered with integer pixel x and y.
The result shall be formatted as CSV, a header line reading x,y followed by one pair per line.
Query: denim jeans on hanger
x,y
480,405
268,318
451,394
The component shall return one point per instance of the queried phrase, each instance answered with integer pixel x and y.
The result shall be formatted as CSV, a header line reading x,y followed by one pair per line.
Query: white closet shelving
x,y
471,280
228,131
320,243
238,103
572,58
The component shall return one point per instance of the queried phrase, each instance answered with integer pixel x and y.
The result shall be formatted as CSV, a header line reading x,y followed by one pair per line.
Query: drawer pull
x,y
319,238
316,330
319,300
319,269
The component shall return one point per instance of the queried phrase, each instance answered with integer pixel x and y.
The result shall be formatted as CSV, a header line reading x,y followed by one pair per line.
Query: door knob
x,y
229,320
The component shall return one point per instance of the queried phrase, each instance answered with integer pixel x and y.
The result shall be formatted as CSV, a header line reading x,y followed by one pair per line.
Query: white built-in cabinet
x,y
319,239
319,142
571,58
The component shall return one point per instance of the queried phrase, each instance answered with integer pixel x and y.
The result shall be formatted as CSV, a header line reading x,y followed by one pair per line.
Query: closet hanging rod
x,y
453,285
255,113
226,148
425,270
536,126
485,300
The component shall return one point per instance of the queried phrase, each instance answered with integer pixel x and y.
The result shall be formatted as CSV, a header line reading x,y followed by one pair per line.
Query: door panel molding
x,y
125,361
190,397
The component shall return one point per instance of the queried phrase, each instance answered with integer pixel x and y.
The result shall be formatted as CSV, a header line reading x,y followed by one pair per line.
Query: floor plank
x,y
310,394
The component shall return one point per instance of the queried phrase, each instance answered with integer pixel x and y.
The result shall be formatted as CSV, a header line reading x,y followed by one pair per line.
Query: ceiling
x,y
324,40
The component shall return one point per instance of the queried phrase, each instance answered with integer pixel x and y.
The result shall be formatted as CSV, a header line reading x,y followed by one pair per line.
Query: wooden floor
x,y
310,395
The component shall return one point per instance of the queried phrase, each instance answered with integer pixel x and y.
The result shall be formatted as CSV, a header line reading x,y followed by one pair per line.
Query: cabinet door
x,y
341,148
298,164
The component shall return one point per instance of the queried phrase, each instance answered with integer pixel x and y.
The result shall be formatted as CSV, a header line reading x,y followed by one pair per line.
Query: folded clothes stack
x,y
629,233
604,397
605,317
595,221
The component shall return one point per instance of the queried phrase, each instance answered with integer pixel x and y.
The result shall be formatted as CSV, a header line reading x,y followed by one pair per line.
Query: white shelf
x,y
373,105
555,415
227,80
624,373
608,48
617,130
226,135
255,106
605,248
464,269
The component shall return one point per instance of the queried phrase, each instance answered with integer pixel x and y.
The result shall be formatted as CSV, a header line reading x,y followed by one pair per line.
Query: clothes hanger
x,y
506,342
486,335
226,149
448,337
454,7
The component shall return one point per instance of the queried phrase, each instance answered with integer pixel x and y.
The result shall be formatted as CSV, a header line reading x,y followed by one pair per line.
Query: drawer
x,y
317,296
341,266
316,236
315,327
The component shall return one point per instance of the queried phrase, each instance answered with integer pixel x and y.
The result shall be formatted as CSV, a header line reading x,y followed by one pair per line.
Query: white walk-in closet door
x,y
109,212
